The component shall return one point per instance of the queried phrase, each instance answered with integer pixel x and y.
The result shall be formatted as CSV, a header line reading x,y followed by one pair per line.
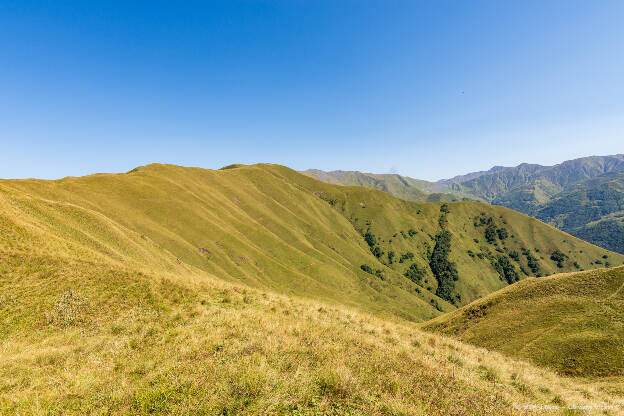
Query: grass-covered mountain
x,y
573,323
583,197
592,210
268,226
249,290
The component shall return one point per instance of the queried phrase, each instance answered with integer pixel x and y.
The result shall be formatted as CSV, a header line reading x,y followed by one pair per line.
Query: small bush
x,y
415,273
367,268
406,256
487,373
558,257
370,238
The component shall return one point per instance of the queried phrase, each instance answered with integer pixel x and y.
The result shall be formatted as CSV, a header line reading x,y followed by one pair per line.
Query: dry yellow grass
x,y
88,338
180,291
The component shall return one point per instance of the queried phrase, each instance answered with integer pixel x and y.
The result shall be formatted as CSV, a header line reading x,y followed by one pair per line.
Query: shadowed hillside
x,y
573,323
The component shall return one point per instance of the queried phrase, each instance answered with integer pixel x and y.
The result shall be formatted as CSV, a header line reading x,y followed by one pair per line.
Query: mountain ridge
x,y
256,289
535,189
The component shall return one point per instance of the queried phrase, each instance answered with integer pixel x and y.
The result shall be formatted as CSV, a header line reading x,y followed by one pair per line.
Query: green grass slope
x,y
573,323
171,290
271,227
243,224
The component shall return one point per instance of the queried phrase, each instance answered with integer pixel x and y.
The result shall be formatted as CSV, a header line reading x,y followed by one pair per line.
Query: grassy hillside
x,y
573,323
171,290
249,225
95,337
592,210
583,197
271,227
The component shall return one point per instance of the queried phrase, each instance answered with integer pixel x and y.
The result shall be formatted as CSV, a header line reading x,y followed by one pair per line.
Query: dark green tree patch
x,y
506,270
370,238
558,257
444,270
531,260
490,233
415,273
366,268
369,270
406,256
377,252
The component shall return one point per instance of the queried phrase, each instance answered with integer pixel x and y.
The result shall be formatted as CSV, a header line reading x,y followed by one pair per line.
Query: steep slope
x,y
148,293
582,196
573,323
271,227
592,210
244,225
553,179
96,337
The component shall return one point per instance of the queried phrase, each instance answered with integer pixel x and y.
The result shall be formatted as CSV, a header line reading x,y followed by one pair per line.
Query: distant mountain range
x,y
584,197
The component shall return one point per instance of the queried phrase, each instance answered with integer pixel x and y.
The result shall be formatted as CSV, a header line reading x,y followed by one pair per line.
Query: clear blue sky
x,y
426,89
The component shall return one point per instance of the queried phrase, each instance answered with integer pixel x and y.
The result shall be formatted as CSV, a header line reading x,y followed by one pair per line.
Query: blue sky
x,y
426,89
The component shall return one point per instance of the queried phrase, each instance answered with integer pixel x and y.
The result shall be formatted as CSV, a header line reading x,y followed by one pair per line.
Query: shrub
x,y
406,256
366,268
506,270
415,273
502,233
531,261
369,270
370,238
411,232
490,233
558,257
390,256
377,252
